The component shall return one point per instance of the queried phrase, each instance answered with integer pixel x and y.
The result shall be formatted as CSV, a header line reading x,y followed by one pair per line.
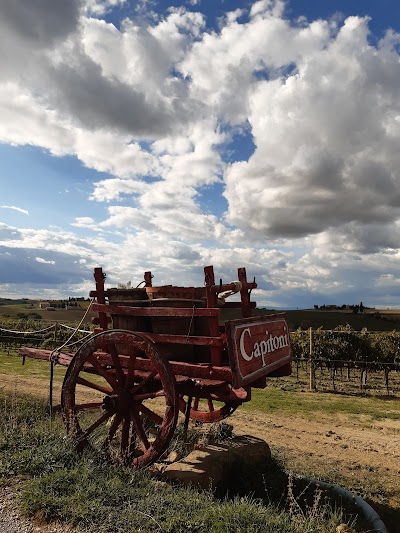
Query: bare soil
x,y
356,452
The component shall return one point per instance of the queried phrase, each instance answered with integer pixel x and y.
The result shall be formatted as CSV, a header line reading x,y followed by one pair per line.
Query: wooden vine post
x,y
52,363
312,366
387,370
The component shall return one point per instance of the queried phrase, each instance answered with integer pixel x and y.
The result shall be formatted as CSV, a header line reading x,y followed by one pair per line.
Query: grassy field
x,y
284,411
90,493
292,402
60,315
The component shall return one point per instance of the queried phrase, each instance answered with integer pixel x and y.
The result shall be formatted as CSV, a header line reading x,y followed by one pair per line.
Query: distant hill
x,y
12,308
310,318
22,301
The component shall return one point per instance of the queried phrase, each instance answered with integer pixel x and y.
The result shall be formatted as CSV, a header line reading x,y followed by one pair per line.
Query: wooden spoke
x,y
144,443
125,437
103,372
95,425
91,385
150,414
196,403
130,378
210,405
111,432
146,380
117,364
148,395
87,406
131,422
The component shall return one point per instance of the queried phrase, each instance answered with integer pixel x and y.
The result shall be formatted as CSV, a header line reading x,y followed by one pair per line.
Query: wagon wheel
x,y
208,410
117,417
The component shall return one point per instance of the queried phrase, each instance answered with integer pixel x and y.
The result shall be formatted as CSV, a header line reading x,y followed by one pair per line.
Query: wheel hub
x,y
119,403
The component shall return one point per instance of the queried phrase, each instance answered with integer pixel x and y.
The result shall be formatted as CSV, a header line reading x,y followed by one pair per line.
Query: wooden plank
x,y
44,355
185,339
192,370
155,311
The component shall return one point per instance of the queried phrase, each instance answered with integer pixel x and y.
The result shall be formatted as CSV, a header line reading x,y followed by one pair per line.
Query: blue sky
x,y
167,136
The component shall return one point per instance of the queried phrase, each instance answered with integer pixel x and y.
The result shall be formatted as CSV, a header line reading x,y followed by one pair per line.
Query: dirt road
x,y
354,451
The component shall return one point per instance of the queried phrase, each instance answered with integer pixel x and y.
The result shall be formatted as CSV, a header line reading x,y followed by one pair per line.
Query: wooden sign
x,y
257,347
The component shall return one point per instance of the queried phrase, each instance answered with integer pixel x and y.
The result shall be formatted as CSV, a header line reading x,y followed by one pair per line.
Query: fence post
x,y
311,357
387,370
52,373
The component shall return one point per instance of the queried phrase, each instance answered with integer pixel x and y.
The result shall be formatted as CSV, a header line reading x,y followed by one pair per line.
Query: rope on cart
x,y
58,350
190,325
89,334
223,295
53,357
70,327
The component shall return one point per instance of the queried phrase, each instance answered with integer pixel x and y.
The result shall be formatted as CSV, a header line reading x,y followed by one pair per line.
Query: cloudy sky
x,y
167,136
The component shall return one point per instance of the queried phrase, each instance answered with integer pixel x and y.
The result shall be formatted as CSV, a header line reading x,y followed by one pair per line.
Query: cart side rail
x,y
189,370
156,311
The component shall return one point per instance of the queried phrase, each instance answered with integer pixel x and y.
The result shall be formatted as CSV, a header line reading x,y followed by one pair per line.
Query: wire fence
x,y
347,376
349,353
32,334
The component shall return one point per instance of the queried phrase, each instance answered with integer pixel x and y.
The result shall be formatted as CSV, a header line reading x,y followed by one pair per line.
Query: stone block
x,y
213,464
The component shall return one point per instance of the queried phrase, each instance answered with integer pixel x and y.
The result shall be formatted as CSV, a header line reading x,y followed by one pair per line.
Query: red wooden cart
x,y
166,352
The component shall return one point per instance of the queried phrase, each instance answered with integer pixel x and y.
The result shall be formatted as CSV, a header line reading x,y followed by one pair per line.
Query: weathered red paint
x,y
208,413
124,396
155,311
257,346
190,370
135,365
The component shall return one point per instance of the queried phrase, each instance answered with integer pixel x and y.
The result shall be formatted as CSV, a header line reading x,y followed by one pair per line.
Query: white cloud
x,y
151,104
19,209
224,66
100,7
43,261
84,222
325,155
267,7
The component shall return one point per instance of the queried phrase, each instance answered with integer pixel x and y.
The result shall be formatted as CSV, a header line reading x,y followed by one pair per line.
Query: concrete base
x,y
212,465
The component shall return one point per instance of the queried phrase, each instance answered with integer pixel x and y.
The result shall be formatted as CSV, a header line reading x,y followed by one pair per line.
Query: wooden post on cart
x,y
216,358
147,279
99,278
244,293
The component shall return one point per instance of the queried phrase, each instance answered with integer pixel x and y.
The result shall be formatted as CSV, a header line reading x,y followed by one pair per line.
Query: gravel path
x,y
11,520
